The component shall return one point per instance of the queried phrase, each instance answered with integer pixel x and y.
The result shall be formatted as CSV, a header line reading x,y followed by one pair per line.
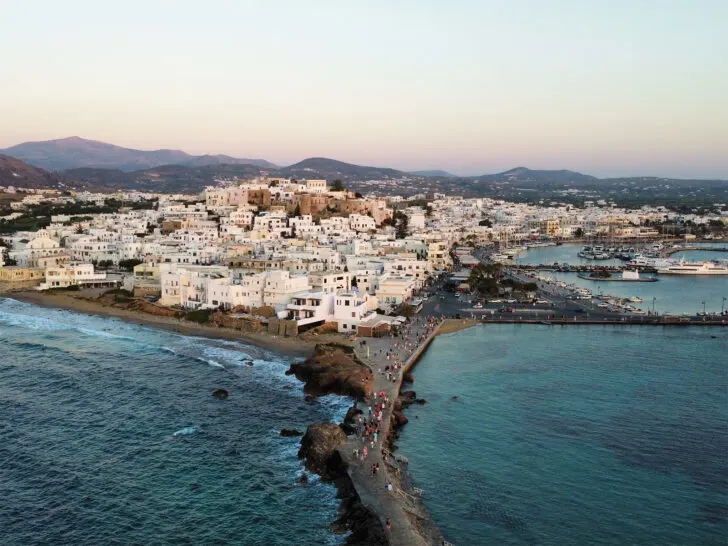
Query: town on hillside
x,y
296,254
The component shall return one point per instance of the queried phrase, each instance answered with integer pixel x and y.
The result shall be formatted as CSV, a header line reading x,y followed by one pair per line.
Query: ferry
x,y
694,268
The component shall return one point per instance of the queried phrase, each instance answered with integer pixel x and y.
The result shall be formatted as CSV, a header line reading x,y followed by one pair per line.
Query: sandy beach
x,y
83,302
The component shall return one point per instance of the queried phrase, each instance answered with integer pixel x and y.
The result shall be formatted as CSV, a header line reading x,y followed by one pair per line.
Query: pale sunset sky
x,y
618,87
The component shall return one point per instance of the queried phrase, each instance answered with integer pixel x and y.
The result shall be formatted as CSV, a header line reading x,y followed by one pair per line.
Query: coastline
x,y
79,302
360,512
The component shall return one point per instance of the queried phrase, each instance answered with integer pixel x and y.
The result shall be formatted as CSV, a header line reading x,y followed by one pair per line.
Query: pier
x,y
580,268
624,320
673,250
411,523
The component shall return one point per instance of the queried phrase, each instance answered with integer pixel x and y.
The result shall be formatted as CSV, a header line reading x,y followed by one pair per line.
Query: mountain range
x,y
97,166
75,152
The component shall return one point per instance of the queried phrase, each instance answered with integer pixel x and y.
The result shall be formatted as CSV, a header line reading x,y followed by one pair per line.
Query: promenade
x,y
410,523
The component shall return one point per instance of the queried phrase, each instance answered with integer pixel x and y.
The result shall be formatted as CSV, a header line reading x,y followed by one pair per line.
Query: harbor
x,y
577,285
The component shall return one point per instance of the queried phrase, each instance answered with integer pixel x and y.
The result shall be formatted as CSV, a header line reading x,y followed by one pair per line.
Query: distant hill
x,y
519,185
14,172
75,152
321,167
531,175
435,173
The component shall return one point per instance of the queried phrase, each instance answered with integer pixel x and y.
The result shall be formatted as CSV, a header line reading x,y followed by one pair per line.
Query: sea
x,y
574,435
109,434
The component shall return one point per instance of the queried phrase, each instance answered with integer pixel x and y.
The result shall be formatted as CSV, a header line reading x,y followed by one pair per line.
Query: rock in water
x,y
351,415
408,395
290,432
318,447
409,378
399,418
220,394
333,370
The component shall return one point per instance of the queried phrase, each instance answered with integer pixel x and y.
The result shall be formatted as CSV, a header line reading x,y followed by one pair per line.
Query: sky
x,y
610,88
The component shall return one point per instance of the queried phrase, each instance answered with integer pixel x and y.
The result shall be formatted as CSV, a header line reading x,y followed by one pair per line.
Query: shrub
x,y
200,316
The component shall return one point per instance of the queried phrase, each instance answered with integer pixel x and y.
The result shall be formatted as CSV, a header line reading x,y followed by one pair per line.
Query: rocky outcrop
x,y
408,396
331,370
288,432
220,394
409,377
148,307
399,418
350,420
224,320
319,448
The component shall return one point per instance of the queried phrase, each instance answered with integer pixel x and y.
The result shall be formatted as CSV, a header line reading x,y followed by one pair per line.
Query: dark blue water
x,y
109,435
574,435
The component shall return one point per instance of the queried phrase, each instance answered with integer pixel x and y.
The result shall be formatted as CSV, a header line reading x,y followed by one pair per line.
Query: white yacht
x,y
693,268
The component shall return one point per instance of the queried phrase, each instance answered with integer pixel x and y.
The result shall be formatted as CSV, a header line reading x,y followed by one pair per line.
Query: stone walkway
x,y
395,506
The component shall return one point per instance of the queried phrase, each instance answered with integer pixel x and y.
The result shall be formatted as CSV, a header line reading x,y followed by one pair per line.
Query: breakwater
x,y
402,506
621,321
581,268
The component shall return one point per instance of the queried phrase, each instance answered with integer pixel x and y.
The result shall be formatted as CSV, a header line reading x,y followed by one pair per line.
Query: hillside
x,y
76,152
14,172
433,173
519,184
321,167
530,175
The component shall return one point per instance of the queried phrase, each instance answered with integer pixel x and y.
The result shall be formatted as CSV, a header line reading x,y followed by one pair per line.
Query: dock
x,y
411,523
673,250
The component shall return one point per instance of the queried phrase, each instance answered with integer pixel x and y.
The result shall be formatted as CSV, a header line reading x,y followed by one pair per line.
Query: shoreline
x,y
82,303
360,512
357,514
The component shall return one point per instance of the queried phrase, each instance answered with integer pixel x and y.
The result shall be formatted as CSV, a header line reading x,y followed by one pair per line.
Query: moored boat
x,y
694,268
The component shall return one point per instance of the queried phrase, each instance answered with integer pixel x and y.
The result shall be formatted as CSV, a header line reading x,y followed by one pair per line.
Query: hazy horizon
x,y
471,87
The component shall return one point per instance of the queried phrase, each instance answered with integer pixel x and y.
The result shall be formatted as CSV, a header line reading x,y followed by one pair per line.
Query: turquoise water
x,y
109,435
672,294
574,435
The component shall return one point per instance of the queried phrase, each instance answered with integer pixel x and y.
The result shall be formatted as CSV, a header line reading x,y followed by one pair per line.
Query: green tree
x,y
484,278
337,185
129,265
401,224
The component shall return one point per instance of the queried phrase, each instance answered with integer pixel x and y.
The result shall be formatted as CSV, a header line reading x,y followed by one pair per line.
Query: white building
x,y
350,308
79,275
311,308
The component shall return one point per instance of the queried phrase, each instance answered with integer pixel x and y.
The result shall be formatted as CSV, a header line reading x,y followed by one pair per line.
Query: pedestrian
x,y
388,525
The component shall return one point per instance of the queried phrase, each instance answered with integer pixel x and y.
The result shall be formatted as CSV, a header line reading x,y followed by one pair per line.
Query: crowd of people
x,y
394,352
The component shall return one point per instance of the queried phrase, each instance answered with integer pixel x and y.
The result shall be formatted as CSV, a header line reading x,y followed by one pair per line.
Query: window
x,y
353,315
